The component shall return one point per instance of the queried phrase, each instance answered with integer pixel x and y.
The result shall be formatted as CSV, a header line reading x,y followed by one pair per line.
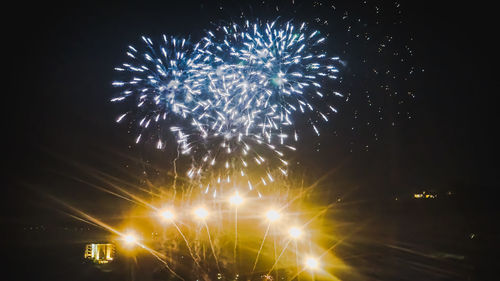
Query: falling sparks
x,y
235,91
234,103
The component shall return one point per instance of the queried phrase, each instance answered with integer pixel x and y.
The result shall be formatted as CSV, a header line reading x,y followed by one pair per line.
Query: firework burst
x,y
279,68
234,95
161,80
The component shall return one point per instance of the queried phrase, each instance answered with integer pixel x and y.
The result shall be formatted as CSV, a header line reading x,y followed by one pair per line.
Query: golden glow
x,y
201,213
312,263
272,215
236,199
237,225
295,232
167,215
130,239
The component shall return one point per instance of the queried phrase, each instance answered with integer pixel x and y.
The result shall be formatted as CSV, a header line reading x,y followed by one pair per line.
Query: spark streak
x,y
241,84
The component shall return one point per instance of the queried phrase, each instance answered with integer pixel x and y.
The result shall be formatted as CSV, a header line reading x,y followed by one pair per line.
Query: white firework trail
x,y
230,101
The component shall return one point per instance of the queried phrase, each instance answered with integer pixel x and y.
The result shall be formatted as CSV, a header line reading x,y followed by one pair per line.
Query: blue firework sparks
x,y
161,80
234,94
276,70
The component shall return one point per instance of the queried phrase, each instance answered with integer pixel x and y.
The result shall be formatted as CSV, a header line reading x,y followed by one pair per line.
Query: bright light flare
x,y
273,215
295,232
312,263
167,215
130,239
236,199
201,213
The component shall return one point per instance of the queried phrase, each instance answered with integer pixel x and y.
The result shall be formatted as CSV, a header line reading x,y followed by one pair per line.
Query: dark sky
x,y
57,84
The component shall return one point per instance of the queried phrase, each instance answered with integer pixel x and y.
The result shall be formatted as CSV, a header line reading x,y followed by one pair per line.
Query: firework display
x,y
230,102
233,96
235,103
270,140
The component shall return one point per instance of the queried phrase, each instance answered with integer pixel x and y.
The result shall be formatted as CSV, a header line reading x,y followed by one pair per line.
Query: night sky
x,y
57,116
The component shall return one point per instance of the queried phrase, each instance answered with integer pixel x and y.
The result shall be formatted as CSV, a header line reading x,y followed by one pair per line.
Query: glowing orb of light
x,y
201,213
295,232
312,263
166,215
236,199
130,239
272,215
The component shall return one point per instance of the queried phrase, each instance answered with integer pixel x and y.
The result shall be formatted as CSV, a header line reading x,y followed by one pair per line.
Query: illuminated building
x,y
425,195
100,252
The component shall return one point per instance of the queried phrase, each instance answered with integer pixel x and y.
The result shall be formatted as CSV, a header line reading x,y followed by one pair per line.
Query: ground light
x,y
272,215
236,199
312,263
201,213
295,232
166,215
130,239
